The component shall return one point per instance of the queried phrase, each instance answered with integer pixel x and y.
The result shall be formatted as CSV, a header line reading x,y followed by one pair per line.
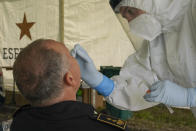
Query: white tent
x,y
92,23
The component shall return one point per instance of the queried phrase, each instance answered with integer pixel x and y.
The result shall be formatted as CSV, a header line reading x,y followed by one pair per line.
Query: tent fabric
x,y
12,13
93,24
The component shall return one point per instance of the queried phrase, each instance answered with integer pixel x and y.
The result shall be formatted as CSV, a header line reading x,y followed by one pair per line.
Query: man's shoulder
x,y
70,116
21,109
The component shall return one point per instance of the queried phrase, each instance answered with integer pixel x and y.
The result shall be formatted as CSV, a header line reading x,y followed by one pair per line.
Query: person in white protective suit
x,y
165,65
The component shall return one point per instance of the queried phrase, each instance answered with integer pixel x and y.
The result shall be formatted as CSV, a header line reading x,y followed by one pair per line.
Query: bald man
x,y
49,78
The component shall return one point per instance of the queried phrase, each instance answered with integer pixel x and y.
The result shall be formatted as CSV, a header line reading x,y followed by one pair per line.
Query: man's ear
x,y
69,79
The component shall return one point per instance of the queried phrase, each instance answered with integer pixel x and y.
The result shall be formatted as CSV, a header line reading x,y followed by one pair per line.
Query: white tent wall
x,y
91,23
44,14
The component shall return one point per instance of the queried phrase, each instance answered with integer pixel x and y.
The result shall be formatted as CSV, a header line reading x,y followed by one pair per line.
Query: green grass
x,y
158,118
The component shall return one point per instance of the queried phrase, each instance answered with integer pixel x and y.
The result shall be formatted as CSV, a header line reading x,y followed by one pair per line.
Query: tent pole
x,y
61,20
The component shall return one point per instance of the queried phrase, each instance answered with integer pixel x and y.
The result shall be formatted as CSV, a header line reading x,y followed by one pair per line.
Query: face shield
x,y
141,23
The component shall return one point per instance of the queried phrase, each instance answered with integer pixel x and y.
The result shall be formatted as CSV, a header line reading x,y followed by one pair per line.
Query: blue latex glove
x,y
169,93
89,73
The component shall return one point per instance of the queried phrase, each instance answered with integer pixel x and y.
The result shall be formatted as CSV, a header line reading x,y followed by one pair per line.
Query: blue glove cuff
x,y
192,97
106,87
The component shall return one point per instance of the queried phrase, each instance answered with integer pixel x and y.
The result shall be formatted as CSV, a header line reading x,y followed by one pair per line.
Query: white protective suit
x,y
170,56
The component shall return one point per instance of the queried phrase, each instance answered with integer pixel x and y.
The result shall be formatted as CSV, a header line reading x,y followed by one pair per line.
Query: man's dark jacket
x,y
64,116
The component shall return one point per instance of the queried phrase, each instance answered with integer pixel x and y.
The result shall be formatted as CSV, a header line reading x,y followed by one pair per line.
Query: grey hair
x,y
39,71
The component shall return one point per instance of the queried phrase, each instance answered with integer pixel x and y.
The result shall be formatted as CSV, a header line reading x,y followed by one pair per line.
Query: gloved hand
x,y
89,73
169,93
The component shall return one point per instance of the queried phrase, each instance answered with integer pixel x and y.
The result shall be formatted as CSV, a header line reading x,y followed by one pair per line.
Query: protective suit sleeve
x,y
168,12
133,81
